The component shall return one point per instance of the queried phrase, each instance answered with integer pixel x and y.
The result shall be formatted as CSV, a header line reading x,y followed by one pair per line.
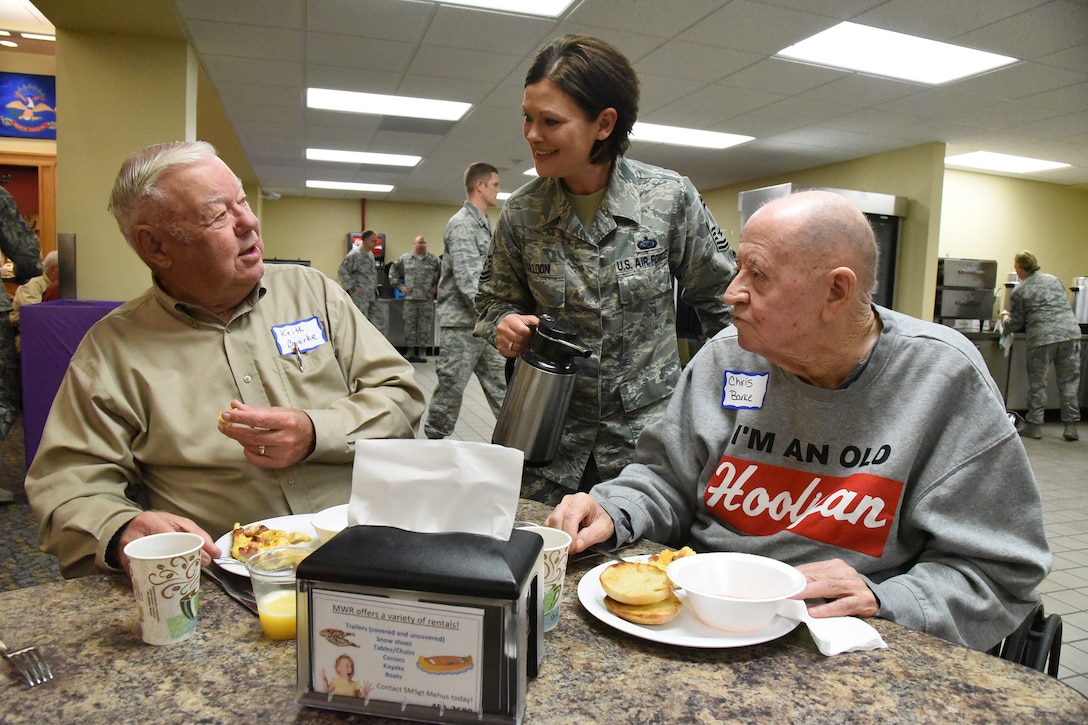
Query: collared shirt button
x,y
247,379
290,482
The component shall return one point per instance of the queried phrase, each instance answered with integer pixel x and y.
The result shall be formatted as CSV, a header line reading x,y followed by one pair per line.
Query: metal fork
x,y
29,663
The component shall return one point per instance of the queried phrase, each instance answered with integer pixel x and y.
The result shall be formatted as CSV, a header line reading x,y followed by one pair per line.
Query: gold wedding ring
x,y
260,450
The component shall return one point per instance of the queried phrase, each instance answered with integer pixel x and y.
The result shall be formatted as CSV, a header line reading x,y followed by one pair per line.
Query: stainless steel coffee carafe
x,y
535,408
1080,299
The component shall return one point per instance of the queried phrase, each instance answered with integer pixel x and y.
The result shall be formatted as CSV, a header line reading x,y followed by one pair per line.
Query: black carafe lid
x,y
556,342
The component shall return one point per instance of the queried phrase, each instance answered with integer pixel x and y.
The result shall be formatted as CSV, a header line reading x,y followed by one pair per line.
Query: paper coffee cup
x,y
551,567
166,583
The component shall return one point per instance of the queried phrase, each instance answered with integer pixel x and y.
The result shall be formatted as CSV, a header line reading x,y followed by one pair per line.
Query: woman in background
x,y
1038,304
598,241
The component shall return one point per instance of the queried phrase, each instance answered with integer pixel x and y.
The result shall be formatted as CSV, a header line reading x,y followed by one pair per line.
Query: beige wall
x,y
128,93
402,223
316,229
994,217
109,83
913,173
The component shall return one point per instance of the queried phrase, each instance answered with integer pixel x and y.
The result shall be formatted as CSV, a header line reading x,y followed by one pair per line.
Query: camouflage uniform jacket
x,y
1039,304
468,235
19,244
613,281
357,270
418,274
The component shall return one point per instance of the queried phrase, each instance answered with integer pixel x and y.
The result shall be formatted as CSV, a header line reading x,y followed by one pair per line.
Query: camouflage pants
x,y
460,357
597,443
1066,359
538,488
372,309
11,394
418,323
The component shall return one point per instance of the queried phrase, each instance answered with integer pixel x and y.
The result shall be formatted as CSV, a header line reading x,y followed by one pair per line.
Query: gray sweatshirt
x,y
912,474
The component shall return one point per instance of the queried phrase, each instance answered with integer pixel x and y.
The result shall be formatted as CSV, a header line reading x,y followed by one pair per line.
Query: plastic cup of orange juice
x,y
272,573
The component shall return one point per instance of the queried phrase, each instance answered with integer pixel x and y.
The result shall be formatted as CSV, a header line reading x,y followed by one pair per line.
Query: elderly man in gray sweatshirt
x,y
868,448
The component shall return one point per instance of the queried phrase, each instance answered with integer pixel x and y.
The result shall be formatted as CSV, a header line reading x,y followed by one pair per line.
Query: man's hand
x,y
584,519
160,522
270,437
840,583
513,332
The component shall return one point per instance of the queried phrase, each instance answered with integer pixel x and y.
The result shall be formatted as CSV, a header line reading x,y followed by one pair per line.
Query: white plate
x,y
294,522
685,630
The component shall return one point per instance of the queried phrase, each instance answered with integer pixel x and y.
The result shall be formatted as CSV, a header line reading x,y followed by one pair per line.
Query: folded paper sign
x,y
434,487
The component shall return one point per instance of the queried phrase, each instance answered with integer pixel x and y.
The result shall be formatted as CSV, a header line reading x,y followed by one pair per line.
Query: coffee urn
x,y
535,408
1080,301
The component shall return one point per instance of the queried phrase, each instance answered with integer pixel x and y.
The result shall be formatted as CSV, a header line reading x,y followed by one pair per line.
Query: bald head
x,y
823,229
802,295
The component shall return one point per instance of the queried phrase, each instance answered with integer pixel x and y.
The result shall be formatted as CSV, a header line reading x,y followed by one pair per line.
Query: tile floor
x,y
1061,468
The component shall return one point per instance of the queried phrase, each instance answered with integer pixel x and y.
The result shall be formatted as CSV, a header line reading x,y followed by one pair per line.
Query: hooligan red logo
x,y
853,512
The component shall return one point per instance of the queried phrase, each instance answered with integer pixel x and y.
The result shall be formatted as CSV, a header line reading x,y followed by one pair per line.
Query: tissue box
x,y
428,627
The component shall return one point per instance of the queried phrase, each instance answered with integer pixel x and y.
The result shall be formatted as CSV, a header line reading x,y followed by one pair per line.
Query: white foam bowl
x,y
735,592
330,522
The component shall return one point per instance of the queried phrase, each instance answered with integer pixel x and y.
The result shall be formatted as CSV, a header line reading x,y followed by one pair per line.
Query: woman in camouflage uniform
x,y
21,246
598,241
1038,304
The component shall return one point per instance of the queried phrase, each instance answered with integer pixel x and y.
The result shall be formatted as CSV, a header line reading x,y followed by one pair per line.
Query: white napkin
x,y
436,486
834,635
1005,341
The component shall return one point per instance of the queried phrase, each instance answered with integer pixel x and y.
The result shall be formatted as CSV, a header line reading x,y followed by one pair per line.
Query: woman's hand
x,y
513,333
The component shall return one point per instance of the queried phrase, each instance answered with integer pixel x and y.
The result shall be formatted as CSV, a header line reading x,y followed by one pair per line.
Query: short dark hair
x,y
369,233
596,75
479,171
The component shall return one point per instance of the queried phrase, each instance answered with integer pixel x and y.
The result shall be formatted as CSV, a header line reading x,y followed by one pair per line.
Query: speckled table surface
x,y
228,672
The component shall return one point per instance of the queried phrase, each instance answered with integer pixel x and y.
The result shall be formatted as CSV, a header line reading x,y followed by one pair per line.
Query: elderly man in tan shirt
x,y
227,392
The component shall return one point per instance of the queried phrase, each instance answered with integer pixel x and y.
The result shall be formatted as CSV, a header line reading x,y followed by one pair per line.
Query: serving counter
x,y
1011,373
591,673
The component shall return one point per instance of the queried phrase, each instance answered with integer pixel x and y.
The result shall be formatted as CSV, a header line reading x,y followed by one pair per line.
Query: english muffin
x,y
656,613
636,584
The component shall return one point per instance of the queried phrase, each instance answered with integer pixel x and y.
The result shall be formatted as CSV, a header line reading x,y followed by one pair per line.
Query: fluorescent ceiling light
x,y
677,136
543,8
362,157
9,43
895,55
377,104
990,161
38,36
348,186
531,171
5,33
503,195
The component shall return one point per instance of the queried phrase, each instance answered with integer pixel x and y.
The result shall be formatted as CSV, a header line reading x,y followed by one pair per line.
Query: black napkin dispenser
x,y
443,628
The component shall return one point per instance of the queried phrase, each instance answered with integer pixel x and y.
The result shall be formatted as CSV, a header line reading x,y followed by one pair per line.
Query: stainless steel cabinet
x,y
1011,373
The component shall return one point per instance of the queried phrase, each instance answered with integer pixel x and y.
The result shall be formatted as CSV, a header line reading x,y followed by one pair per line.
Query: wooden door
x,y
44,207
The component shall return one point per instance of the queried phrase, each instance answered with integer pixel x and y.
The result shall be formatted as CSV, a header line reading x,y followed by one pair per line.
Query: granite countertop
x,y
228,672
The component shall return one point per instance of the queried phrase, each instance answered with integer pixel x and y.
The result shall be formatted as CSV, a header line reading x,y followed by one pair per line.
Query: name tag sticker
x,y
744,391
304,335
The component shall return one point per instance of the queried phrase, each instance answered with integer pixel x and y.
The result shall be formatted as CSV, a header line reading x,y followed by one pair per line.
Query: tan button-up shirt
x,y
134,423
